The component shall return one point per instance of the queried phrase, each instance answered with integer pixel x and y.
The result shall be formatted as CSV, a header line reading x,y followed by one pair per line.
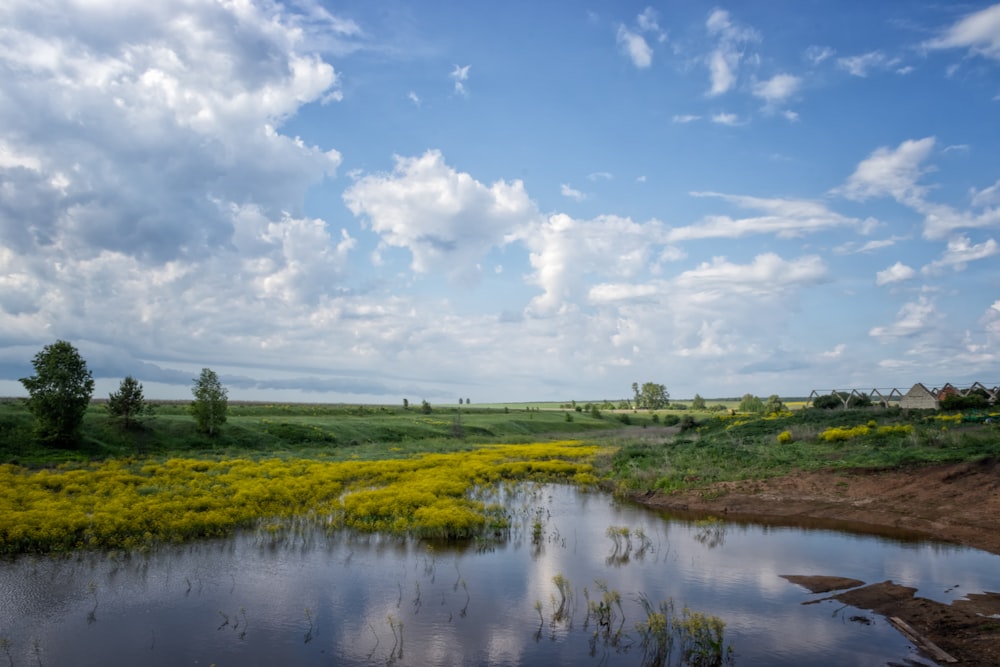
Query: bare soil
x,y
957,503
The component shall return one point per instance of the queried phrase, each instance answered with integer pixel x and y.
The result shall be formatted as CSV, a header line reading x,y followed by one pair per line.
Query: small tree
x,y
425,407
406,404
128,403
211,402
59,392
698,403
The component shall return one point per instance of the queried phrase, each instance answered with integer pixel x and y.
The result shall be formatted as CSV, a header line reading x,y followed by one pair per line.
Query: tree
x,y
211,402
698,403
425,407
652,396
128,403
59,392
751,403
773,405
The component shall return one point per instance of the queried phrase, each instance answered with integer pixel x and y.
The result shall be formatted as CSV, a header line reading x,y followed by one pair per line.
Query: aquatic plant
x,y
128,503
699,639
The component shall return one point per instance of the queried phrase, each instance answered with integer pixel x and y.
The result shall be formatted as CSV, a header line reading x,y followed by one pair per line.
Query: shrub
x,y
785,437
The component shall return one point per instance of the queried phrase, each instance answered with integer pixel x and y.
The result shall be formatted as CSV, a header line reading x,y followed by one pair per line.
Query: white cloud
x,y
413,97
438,213
635,47
633,42
730,119
777,89
768,274
898,272
459,75
648,21
913,318
864,64
896,172
721,72
732,44
940,220
817,54
601,176
959,253
571,193
565,251
987,196
979,32
892,172
784,217
143,131
835,353
685,118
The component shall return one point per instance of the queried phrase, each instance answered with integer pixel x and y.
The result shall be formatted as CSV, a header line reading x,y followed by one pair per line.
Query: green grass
x,y
257,430
745,447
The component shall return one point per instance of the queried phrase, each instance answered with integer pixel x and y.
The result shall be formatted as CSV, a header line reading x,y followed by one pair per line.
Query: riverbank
x,y
957,503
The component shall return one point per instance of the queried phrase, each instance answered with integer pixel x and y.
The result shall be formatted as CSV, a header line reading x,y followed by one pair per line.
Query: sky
x,y
373,200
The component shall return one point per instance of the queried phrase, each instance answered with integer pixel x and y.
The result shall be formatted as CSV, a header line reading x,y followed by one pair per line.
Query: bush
x,y
785,437
687,423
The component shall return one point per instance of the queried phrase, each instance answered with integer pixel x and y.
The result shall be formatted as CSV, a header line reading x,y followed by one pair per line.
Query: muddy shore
x,y
957,503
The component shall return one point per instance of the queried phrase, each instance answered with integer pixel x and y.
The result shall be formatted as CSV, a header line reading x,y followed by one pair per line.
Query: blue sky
x,y
366,201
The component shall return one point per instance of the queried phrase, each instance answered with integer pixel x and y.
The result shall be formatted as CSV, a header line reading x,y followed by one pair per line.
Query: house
x,y
919,397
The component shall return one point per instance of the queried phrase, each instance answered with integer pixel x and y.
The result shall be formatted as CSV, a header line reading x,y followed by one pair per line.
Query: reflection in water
x,y
711,532
581,579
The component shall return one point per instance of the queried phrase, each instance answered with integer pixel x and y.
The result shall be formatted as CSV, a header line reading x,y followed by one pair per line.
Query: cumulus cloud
x,y
913,318
896,173
978,32
777,89
959,253
443,217
898,272
892,172
133,131
565,252
732,42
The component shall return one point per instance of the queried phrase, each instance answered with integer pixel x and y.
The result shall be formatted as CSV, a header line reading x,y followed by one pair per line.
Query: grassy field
x,y
257,429
735,447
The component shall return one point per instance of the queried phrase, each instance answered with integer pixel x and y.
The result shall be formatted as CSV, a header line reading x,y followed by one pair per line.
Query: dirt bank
x,y
958,503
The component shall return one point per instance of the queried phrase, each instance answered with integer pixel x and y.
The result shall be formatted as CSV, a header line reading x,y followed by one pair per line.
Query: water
x,y
350,599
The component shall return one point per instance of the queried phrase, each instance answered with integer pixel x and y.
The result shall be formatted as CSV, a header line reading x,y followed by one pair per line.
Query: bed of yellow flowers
x,y
127,504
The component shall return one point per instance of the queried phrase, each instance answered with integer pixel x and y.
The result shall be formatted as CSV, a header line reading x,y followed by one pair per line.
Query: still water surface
x,y
348,599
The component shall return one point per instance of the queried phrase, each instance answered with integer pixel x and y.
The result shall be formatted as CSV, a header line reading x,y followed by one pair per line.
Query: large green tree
x,y
127,404
650,396
59,393
211,402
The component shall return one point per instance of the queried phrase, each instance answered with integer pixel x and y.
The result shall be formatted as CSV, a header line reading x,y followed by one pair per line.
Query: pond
x,y
310,598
